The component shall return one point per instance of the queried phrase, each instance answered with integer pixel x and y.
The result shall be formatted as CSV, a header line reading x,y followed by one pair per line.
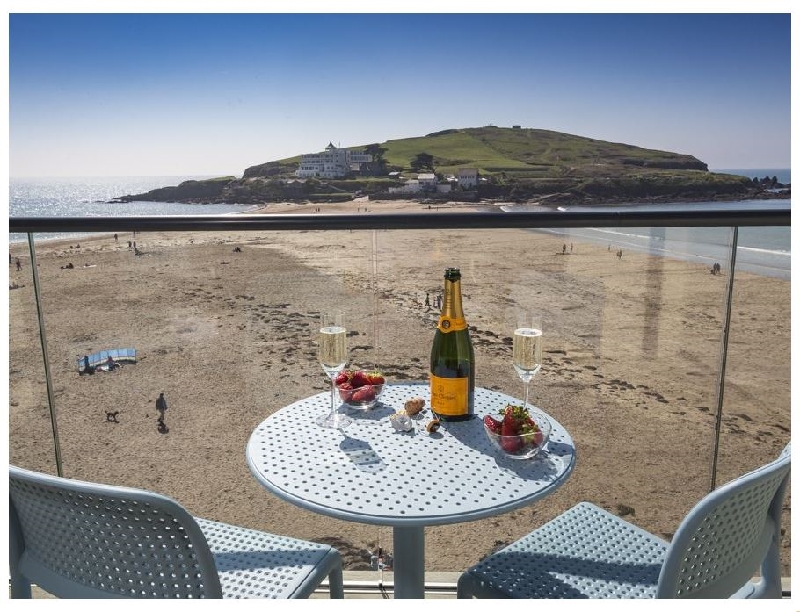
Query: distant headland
x,y
489,163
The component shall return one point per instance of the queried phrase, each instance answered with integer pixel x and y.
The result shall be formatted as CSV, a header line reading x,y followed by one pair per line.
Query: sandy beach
x,y
631,362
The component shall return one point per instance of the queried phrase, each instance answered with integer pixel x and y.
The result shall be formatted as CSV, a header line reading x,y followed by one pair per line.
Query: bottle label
x,y
450,396
450,324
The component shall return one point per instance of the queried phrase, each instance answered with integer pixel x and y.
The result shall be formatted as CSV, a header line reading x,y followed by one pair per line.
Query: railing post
x,y
43,338
377,354
726,328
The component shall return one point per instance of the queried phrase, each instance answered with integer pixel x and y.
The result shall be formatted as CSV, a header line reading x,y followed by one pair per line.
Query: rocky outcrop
x,y
269,169
211,190
695,186
668,164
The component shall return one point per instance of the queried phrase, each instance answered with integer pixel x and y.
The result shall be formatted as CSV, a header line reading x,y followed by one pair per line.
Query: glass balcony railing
x,y
671,378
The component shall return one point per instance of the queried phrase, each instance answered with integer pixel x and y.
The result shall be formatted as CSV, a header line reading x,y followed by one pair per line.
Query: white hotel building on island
x,y
331,163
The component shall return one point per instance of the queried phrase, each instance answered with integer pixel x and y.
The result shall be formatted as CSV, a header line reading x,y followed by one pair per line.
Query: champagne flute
x,y
332,357
527,357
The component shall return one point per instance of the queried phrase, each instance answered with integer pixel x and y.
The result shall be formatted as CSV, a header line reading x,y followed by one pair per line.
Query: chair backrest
x,y
733,532
88,540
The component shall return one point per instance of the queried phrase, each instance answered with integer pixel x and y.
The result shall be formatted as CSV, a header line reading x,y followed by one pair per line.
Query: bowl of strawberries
x,y
518,432
360,389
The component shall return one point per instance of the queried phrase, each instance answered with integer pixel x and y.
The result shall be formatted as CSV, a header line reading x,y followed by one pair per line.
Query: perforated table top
x,y
370,473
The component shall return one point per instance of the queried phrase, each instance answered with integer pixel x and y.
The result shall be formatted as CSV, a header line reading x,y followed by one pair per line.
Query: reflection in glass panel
x,y
30,433
223,323
756,416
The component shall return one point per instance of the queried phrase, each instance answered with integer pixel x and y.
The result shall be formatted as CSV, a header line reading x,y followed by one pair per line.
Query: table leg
x,y
409,562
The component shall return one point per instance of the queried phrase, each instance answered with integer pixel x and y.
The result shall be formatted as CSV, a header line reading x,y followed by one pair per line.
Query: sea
x,y
762,250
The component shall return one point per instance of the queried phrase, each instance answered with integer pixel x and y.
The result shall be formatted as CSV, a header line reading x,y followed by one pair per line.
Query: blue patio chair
x,y
85,540
587,552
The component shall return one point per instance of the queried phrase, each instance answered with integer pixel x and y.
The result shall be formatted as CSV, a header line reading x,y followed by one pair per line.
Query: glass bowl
x,y
360,398
526,446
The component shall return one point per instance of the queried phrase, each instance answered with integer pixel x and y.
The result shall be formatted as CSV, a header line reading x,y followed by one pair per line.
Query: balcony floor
x,y
367,585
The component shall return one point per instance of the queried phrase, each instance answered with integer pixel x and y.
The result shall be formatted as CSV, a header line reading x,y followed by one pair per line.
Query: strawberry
x,y
359,379
510,424
363,394
492,424
511,444
343,377
345,391
510,440
533,434
375,378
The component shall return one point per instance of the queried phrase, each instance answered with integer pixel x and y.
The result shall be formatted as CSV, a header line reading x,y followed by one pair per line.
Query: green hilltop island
x,y
485,164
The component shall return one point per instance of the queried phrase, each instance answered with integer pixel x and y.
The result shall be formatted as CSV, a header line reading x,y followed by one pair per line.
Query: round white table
x,y
371,473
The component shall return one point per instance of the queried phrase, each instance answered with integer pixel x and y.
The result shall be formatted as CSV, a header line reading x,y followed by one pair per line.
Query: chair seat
x,y
257,564
585,552
86,540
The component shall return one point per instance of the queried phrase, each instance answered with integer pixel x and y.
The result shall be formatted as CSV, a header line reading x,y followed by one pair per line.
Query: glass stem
x,y
527,384
333,400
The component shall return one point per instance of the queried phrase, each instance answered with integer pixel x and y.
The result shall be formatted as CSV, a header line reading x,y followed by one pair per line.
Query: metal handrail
x,y
768,213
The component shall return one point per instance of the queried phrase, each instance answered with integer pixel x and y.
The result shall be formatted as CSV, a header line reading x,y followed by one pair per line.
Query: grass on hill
x,y
527,154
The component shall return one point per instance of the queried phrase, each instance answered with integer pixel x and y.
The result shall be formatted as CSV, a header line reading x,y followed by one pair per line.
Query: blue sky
x,y
211,94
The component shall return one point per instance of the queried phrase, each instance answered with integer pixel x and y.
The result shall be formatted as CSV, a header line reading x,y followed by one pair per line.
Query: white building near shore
x,y
410,186
427,181
333,162
467,178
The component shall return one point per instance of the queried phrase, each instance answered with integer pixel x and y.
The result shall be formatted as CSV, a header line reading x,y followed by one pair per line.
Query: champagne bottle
x,y
452,357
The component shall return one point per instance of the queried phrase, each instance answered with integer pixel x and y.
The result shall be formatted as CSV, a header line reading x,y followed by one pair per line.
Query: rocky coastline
x,y
247,191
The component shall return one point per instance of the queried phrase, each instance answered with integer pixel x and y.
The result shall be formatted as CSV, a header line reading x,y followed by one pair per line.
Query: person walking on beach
x,y
116,238
18,263
161,406
87,368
